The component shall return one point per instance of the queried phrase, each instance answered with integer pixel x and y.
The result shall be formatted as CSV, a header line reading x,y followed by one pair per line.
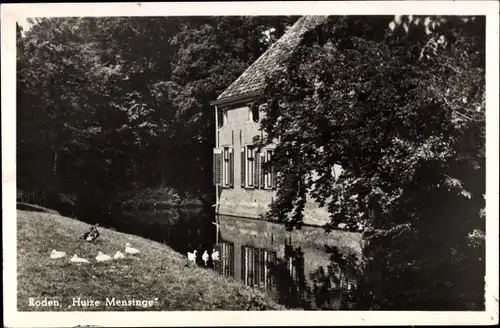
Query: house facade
x,y
243,189
293,265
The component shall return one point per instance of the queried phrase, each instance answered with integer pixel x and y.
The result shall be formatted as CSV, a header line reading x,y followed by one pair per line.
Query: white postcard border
x,y
18,12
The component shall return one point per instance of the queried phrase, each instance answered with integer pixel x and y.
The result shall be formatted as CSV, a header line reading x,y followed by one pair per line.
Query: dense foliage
x,y
399,105
107,105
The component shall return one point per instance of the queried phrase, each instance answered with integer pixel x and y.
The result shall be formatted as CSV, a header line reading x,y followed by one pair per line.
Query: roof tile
x,y
253,79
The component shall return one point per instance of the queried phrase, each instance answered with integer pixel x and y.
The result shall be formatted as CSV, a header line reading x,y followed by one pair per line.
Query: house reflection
x,y
293,267
226,255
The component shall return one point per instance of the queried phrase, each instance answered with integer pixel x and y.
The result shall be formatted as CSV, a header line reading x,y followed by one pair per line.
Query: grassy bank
x,y
158,274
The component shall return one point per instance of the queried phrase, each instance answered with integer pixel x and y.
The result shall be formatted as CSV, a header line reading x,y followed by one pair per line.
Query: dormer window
x,y
253,114
224,116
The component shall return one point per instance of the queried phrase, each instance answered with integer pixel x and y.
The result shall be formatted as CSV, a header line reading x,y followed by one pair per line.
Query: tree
x,y
398,103
107,105
53,76
211,53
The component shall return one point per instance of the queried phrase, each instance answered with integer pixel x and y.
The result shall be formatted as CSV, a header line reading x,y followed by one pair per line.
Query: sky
x,y
24,24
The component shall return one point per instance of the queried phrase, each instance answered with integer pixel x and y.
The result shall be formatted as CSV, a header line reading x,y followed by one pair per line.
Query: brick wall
x,y
239,201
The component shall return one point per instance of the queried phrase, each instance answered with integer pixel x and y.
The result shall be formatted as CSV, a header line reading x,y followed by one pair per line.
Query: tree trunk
x,y
54,166
54,184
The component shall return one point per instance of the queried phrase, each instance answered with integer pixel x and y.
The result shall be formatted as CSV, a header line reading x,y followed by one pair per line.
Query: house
x,y
250,247
243,189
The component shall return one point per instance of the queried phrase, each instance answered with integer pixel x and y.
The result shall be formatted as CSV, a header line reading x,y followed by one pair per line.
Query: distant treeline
x,y
107,107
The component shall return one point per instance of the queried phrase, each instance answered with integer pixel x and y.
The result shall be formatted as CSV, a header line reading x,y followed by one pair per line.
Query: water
x,y
294,268
184,230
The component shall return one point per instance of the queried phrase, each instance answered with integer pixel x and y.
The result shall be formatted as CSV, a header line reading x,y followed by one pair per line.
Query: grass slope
x,y
158,272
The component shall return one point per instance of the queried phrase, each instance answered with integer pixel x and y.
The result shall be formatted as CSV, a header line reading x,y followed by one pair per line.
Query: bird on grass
x,y
118,255
215,255
76,259
57,254
131,250
101,257
205,257
192,257
92,234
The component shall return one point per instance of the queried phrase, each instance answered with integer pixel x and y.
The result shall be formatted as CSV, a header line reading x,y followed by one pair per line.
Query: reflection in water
x,y
279,267
288,271
285,277
226,264
331,289
184,230
256,264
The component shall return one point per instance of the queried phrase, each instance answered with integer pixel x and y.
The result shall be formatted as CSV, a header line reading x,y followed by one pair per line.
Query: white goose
x,y
205,257
57,254
118,255
102,257
215,255
77,259
192,256
131,250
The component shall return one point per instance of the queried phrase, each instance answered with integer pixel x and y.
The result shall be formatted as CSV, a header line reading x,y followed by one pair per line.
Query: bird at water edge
x,y
205,257
215,255
192,256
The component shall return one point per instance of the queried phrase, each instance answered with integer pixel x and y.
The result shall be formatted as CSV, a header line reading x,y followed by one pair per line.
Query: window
x,y
256,266
224,117
253,114
251,172
250,166
269,175
223,167
225,266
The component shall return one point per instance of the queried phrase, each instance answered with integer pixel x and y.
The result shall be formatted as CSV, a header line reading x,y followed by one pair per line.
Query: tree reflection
x,y
330,288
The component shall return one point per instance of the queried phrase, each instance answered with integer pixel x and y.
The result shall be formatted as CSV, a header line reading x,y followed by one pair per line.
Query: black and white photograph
x,y
270,159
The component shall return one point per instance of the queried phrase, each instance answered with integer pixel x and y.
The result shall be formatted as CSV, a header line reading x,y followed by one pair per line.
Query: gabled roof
x,y
252,80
